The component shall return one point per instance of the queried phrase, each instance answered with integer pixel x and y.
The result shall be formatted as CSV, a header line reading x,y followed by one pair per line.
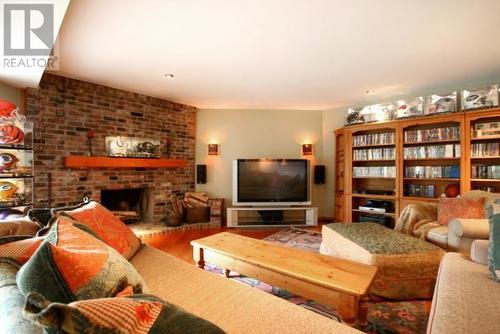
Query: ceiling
x,y
280,54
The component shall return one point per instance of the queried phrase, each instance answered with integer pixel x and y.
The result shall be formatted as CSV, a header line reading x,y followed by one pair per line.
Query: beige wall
x,y
260,134
10,93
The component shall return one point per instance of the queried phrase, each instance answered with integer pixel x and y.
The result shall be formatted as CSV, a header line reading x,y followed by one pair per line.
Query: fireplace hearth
x,y
132,205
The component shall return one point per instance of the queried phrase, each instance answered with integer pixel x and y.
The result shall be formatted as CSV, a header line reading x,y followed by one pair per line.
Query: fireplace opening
x,y
130,205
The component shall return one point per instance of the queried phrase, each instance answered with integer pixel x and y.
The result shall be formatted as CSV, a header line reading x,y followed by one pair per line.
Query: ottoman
x,y
407,266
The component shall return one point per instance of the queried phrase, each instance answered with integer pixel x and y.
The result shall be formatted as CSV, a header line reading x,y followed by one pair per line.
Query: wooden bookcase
x,y
473,160
430,153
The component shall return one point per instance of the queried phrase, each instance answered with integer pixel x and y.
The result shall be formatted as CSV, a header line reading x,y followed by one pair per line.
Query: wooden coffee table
x,y
325,279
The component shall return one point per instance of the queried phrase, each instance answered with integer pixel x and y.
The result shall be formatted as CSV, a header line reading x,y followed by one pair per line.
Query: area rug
x,y
384,317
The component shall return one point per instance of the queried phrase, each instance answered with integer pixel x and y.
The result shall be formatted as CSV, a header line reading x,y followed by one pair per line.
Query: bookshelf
x,y
431,156
417,161
483,150
374,170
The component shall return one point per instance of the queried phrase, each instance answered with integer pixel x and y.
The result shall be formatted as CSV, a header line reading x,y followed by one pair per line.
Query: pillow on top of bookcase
x,y
459,207
132,314
71,264
107,227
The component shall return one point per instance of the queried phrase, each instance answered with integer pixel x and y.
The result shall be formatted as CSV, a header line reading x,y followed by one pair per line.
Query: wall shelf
x,y
78,161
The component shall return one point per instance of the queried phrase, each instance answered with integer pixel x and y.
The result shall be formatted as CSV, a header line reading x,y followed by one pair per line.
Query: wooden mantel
x,y
80,161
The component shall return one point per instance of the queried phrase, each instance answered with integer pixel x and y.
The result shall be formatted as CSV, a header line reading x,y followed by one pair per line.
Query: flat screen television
x,y
271,182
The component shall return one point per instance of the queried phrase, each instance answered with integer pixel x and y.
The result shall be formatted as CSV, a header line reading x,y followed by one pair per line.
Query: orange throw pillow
x,y
107,227
458,207
19,251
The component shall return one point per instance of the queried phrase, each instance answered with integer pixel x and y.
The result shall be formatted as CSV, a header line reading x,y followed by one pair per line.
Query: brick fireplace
x,y
64,109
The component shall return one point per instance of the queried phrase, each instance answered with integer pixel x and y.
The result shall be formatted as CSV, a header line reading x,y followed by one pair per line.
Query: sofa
x,y
232,306
458,235
465,299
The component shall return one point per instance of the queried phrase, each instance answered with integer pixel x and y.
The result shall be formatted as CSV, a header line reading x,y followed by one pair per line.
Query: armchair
x,y
420,220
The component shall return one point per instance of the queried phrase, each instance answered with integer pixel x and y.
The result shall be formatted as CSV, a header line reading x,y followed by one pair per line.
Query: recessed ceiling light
x,y
369,91
169,75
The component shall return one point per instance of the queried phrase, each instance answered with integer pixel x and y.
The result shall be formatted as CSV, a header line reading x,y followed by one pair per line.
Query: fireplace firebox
x,y
131,205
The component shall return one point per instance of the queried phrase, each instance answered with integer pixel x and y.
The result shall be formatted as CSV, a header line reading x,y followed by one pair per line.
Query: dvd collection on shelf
x,y
425,135
388,153
386,138
432,172
484,150
486,130
485,172
433,151
374,171
420,190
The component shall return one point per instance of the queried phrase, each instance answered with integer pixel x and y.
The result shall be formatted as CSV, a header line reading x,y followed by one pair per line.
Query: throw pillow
x,y
491,207
19,248
107,227
457,207
73,265
131,314
18,226
494,247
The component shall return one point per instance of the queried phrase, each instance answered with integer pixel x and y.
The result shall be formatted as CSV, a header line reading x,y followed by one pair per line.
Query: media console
x,y
272,216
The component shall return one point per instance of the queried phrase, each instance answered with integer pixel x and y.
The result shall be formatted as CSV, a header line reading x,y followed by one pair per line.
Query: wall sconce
x,y
307,149
213,149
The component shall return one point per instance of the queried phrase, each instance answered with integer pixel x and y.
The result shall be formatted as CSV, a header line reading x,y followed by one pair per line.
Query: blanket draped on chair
x,y
417,219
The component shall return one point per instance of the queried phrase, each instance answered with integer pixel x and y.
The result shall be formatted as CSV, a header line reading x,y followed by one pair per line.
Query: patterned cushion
x,y
491,207
494,247
107,227
457,207
73,265
18,226
12,303
132,314
19,249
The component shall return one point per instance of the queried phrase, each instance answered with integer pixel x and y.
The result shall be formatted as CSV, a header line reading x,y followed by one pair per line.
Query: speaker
x,y
201,174
319,174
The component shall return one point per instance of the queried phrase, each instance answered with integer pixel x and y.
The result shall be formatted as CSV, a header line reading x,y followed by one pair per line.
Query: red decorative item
x,y
7,109
452,190
90,136
10,134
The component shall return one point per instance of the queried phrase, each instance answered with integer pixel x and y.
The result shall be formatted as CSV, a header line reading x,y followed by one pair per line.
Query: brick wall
x,y
64,109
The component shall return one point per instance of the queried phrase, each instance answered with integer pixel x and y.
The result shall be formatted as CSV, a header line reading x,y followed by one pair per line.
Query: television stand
x,y
269,217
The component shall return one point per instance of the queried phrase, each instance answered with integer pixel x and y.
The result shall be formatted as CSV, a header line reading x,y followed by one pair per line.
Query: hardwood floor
x,y
178,243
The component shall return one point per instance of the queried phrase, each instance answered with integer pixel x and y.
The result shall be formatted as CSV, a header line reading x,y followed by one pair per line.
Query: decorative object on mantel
x,y
174,212
168,147
118,146
90,137
213,149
